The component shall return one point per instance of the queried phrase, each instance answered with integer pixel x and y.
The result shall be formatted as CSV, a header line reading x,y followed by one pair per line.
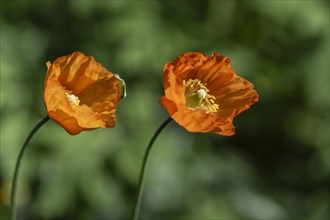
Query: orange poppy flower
x,y
80,94
204,94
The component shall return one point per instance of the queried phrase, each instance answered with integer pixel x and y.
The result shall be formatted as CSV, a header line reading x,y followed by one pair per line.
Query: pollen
x,y
72,98
198,97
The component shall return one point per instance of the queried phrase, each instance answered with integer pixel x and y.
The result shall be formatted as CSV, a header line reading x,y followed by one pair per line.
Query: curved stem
x,y
144,163
18,162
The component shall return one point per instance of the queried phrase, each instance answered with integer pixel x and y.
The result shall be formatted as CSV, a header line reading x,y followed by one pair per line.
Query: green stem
x,y
18,162
137,206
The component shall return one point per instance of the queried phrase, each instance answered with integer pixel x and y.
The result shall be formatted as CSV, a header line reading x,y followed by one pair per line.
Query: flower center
x,y
198,97
72,98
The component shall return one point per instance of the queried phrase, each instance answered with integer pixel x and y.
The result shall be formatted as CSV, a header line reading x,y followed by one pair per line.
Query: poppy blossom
x,y
204,94
80,94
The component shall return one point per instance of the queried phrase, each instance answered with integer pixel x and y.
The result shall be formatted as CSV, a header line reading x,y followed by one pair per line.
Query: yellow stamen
x,y
72,98
198,97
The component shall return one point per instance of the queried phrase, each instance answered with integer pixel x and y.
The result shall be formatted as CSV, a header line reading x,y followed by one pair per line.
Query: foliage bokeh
x,y
275,167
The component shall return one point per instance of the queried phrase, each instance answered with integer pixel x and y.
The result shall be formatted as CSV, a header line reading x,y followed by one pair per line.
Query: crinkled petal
x,y
103,90
235,97
105,111
171,81
77,71
199,121
169,105
214,67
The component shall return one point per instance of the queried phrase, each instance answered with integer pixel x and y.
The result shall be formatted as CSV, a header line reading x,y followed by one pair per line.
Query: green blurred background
x,y
276,167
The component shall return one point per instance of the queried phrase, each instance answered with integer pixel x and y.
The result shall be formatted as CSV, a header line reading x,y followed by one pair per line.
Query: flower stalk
x,y
137,205
17,166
